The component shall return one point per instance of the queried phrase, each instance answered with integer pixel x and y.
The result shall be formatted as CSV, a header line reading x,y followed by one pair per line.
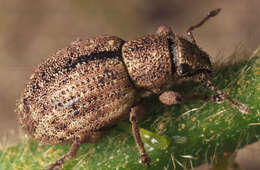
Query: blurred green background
x,y
31,30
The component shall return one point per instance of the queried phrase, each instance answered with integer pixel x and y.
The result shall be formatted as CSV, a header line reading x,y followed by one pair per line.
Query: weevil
x,y
81,92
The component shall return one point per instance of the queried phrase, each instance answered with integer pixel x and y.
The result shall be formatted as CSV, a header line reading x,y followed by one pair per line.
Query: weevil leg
x,y
214,98
211,14
90,137
140,145
170,98
72,152
240,106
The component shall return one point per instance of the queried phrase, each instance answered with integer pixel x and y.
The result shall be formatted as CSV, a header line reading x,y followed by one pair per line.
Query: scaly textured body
x,y
149,65
81,88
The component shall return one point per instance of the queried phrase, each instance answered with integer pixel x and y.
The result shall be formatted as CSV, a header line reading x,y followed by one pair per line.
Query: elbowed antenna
x,y
211,14
240,106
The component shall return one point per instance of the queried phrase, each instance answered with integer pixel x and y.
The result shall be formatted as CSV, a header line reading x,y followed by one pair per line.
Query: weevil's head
x,y
191,63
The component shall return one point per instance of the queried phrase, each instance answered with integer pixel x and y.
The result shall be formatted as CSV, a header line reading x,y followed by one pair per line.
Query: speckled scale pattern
x,y
81,88
189,53
148,62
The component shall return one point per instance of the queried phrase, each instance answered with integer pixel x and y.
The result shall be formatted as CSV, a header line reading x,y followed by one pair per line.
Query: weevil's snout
x,y
189,60
197,75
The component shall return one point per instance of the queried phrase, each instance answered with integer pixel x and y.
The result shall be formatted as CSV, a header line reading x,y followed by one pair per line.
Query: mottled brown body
x,y
82,91
81,88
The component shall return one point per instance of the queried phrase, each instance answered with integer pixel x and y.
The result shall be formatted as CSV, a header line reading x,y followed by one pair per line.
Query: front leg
x,y
172,97
134,116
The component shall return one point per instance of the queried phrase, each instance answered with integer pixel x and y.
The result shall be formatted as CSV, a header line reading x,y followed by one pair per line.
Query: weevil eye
x,y
184,69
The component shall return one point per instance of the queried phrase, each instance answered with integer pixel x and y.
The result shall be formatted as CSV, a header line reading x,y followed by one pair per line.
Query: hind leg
x,y
90,137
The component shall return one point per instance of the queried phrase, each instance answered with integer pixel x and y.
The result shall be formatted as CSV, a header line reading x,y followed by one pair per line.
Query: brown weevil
x,y
78,94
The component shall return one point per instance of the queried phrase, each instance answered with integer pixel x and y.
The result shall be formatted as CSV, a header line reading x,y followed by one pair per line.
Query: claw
x,y
146,160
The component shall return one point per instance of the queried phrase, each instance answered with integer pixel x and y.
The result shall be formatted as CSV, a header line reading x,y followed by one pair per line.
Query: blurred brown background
x,y
30,30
